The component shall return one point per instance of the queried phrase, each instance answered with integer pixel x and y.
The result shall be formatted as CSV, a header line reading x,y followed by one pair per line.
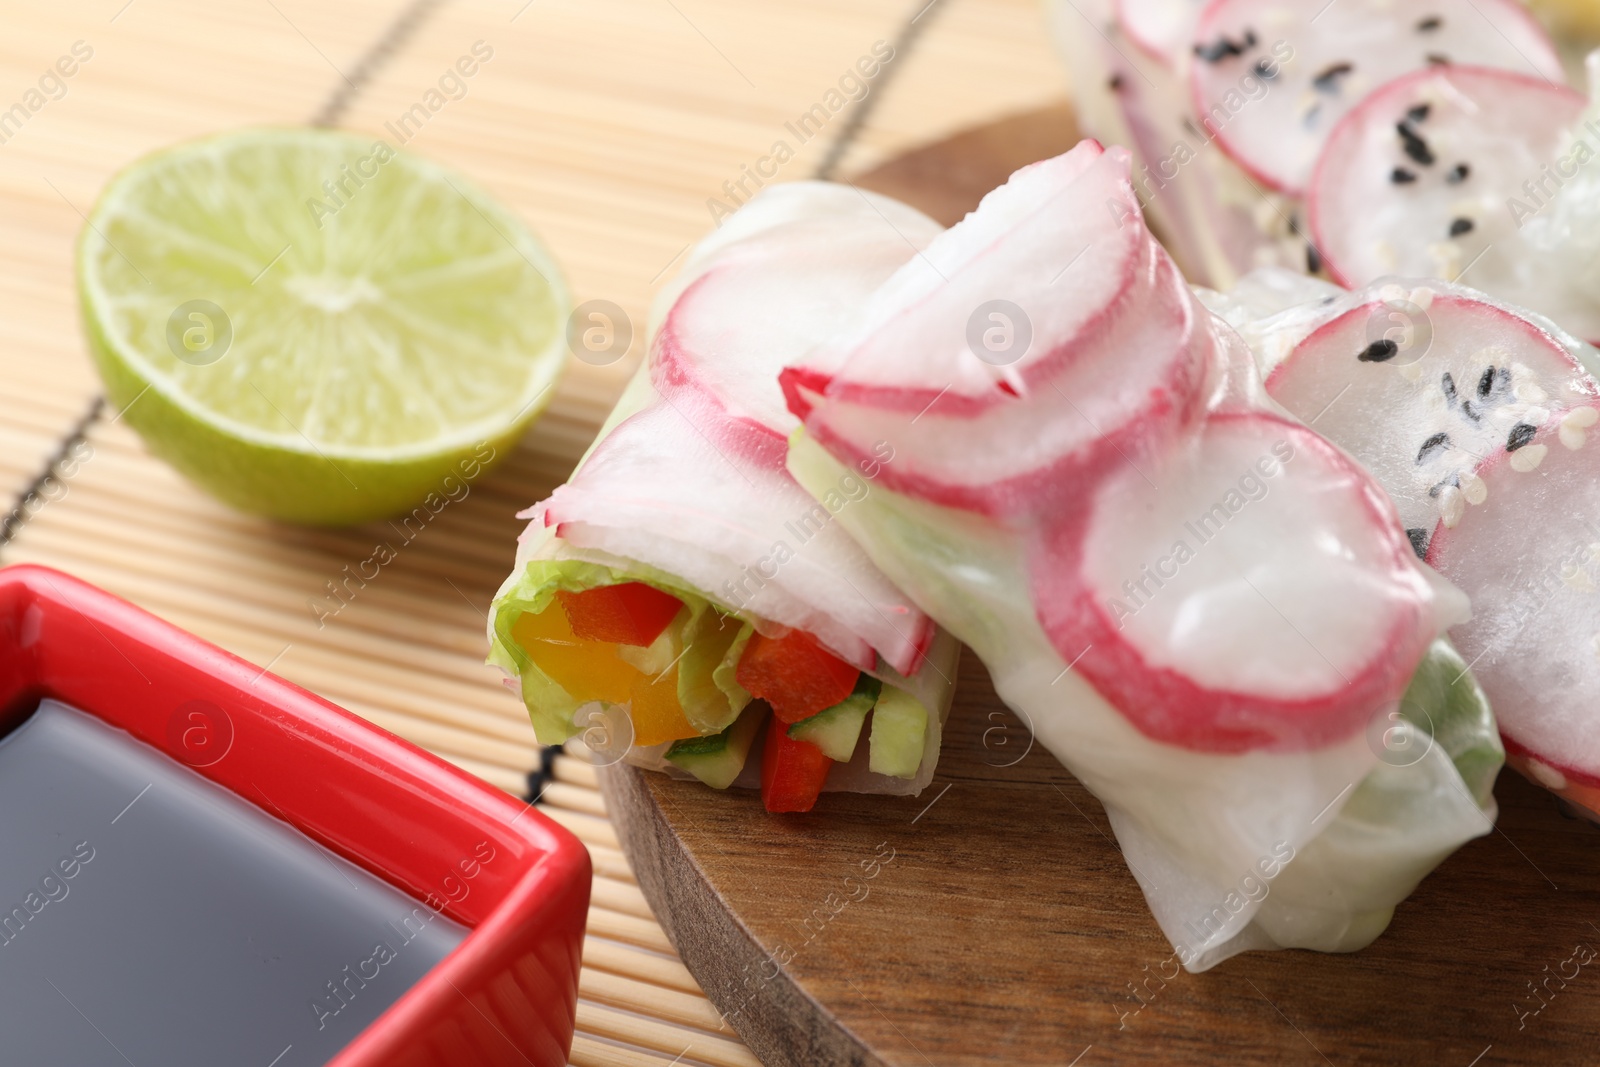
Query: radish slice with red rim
x,y
1529,556
1135,386
1430,175
1272,78
1109,351
1419,395
1072,240
1265,598
766,300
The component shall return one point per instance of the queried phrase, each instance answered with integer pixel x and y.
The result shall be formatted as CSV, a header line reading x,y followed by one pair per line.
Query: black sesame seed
x,y
1401,176
1439,486
1438,59
1429,24
1222,48
1466,409
1419,541
1458,174
1448,384
1419,113
1266,70
1437,441
1460,226
1520,435
1379,352
1504,377
1313,260
1486,383
1414,145
1328,80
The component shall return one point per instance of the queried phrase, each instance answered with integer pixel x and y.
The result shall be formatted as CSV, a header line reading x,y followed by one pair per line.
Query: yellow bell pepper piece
x,y
588,670
595,670
657,714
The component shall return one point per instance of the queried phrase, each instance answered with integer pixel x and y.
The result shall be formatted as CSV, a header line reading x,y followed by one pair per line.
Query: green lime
x,y
314,326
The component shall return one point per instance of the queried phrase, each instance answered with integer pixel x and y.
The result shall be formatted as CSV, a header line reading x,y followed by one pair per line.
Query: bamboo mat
x,y
607,124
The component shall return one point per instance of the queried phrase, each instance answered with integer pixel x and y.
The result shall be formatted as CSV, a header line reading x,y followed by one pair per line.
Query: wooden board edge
x,y
756,997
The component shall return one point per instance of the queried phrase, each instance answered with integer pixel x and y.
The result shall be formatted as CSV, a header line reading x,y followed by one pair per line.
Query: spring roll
x,y
681,602
1207,612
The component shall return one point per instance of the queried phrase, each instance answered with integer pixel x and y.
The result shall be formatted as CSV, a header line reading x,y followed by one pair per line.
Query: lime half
x,y
317,327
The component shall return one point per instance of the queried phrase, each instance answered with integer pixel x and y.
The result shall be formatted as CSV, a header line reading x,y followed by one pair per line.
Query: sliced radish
x,y
762,302
1272,78
1419,395
658,491
1068,235
1129,390
1095,379
1426,177
1251,590
1529,556
1161,27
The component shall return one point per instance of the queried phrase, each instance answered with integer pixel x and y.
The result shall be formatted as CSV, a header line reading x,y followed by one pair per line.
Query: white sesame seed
x,y
1528,458
1582,417
1474,488
1452,505
1548,776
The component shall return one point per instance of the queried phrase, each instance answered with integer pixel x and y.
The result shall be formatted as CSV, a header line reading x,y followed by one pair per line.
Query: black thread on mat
x,y
541,775
853,126
372,60
17,517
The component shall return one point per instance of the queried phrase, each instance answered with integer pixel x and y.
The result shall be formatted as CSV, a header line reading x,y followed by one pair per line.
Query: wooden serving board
x,y
992,920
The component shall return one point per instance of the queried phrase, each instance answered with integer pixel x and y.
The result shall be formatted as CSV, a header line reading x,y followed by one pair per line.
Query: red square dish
x,y
519,883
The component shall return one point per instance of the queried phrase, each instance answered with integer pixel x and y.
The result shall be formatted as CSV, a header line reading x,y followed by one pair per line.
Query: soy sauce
x,y
149,917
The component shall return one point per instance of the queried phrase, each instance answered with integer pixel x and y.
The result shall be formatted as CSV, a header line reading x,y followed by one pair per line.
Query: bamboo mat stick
x,y
622,897
614,958
684,1009
588,1052
663,1037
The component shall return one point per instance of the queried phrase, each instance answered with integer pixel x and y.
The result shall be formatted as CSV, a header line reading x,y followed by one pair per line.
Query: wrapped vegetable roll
x,y
1476,416
681,601
1227,105
1210,614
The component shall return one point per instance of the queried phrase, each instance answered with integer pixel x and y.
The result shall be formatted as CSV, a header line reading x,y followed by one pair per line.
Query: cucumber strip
x,y
836,730
899,731
717,759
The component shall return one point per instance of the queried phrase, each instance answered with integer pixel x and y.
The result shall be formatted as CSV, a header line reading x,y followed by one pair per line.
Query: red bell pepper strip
x,y
631,613
794,674
792,772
